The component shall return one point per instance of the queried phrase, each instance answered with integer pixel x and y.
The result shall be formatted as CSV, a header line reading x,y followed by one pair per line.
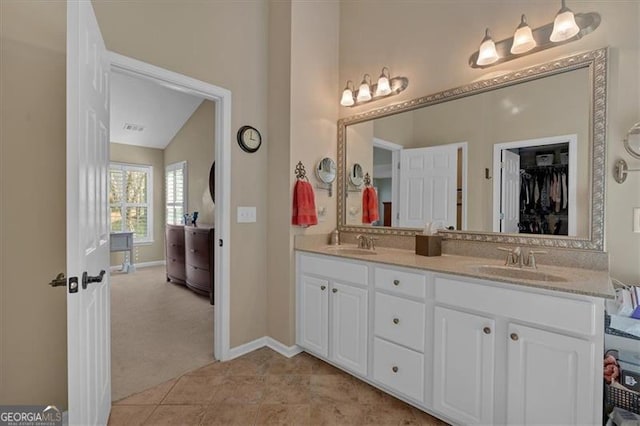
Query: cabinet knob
x,y
335,290
394,369
514,337
193,250
396,320
486,330
396,282
323,287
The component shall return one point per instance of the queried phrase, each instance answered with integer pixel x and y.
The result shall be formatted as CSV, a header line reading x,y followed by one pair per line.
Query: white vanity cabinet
x,y
333,311
464,365
470,351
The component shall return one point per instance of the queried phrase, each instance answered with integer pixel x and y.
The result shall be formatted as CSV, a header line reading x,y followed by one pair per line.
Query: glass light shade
x,y
487,53
383,87
564,26
364,93
523,38
347,98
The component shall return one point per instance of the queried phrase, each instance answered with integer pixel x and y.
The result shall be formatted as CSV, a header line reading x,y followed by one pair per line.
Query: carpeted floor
x,y
159,331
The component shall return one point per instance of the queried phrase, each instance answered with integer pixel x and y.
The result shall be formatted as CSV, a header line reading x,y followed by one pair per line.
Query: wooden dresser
x,y
174,237
198,245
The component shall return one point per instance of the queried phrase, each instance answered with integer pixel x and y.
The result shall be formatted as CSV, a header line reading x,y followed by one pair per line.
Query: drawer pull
x,y
193,250
323,287
396,282
394,369
514,337
486,330
335,290
396,320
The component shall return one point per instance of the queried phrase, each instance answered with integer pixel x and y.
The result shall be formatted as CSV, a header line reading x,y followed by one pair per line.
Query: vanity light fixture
x,y
364,92
383,87
347,95
564,26
523,38
368,92
567,27
487,53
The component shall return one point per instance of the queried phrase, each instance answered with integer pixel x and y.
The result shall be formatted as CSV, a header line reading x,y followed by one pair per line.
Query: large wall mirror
x,y
516,159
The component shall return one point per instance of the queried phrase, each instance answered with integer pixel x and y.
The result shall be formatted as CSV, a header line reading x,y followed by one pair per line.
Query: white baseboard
x,y
246,348
283,350
115,268
269,342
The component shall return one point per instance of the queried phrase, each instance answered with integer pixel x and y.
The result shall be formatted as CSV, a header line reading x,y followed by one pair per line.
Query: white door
x,y
463,369
88,327
550,380
510,192
314,315
428,186
349,327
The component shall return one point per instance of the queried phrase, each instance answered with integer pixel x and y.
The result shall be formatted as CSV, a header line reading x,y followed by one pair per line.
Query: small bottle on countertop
x,y
335,238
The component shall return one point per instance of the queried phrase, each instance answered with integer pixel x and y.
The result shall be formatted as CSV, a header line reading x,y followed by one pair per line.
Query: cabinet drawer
x,y
398,368
400,320
199,278
401,282
176,269
356,273
553,311
175,250
197,248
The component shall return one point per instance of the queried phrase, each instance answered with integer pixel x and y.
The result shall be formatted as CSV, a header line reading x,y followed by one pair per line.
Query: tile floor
x,y
265,388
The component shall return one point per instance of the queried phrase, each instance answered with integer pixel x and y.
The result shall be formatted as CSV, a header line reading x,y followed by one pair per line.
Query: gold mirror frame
x,y
596,62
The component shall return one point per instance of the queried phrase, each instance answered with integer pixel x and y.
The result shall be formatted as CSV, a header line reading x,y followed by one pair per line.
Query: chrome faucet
x,y
514,256
366,242
531,259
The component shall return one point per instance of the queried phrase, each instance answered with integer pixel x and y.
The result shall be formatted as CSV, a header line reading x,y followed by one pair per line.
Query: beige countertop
x,y
569,280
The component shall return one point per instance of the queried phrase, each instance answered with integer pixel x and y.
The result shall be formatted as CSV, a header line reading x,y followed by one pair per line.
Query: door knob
x,y
514,337
396,282
396,320
486,330
59,281
335,290
394,369
88,279
323,287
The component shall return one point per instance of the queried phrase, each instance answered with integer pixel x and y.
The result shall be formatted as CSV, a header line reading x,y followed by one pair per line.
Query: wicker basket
x,y
622,398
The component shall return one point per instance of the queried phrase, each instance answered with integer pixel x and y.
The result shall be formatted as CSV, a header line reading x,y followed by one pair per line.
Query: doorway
x,y
222,118
534,186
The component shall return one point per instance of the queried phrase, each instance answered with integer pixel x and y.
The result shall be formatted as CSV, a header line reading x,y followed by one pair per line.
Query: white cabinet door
x,y
349,327
314,315
463,371
550,378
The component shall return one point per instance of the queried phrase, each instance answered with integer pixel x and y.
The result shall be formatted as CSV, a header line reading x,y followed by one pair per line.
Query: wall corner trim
x,y
261,342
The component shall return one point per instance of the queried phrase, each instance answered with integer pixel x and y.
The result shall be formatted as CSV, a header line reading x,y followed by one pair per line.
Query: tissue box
x,y
429,245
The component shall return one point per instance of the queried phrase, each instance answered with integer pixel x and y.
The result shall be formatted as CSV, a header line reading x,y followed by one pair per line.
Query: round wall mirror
x,y
632,141
326,170
356,177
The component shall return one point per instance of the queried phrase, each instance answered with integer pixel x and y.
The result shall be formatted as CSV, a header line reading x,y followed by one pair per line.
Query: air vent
x,y
133,127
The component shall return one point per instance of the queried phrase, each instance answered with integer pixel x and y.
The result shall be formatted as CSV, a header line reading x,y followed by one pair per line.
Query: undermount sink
x,y
350,250
517,273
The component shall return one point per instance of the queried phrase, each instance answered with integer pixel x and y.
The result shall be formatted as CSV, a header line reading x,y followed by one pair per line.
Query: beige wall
x,y
222,43
120,153
420,41
33,316
195,144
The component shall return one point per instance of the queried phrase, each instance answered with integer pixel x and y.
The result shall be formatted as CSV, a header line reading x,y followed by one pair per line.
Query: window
x,y
131,200
176,189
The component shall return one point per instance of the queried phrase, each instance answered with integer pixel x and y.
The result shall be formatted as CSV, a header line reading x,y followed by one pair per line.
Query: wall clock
x,y
249,139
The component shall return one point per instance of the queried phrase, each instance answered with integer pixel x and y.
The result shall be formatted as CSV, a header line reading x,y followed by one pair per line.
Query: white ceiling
x,y
161,111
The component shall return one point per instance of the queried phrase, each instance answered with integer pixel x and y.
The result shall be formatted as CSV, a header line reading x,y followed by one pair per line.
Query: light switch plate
x,y
247,215
636,219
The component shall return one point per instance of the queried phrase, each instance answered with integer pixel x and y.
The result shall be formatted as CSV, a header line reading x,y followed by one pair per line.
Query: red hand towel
x,y
369,205
304,205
